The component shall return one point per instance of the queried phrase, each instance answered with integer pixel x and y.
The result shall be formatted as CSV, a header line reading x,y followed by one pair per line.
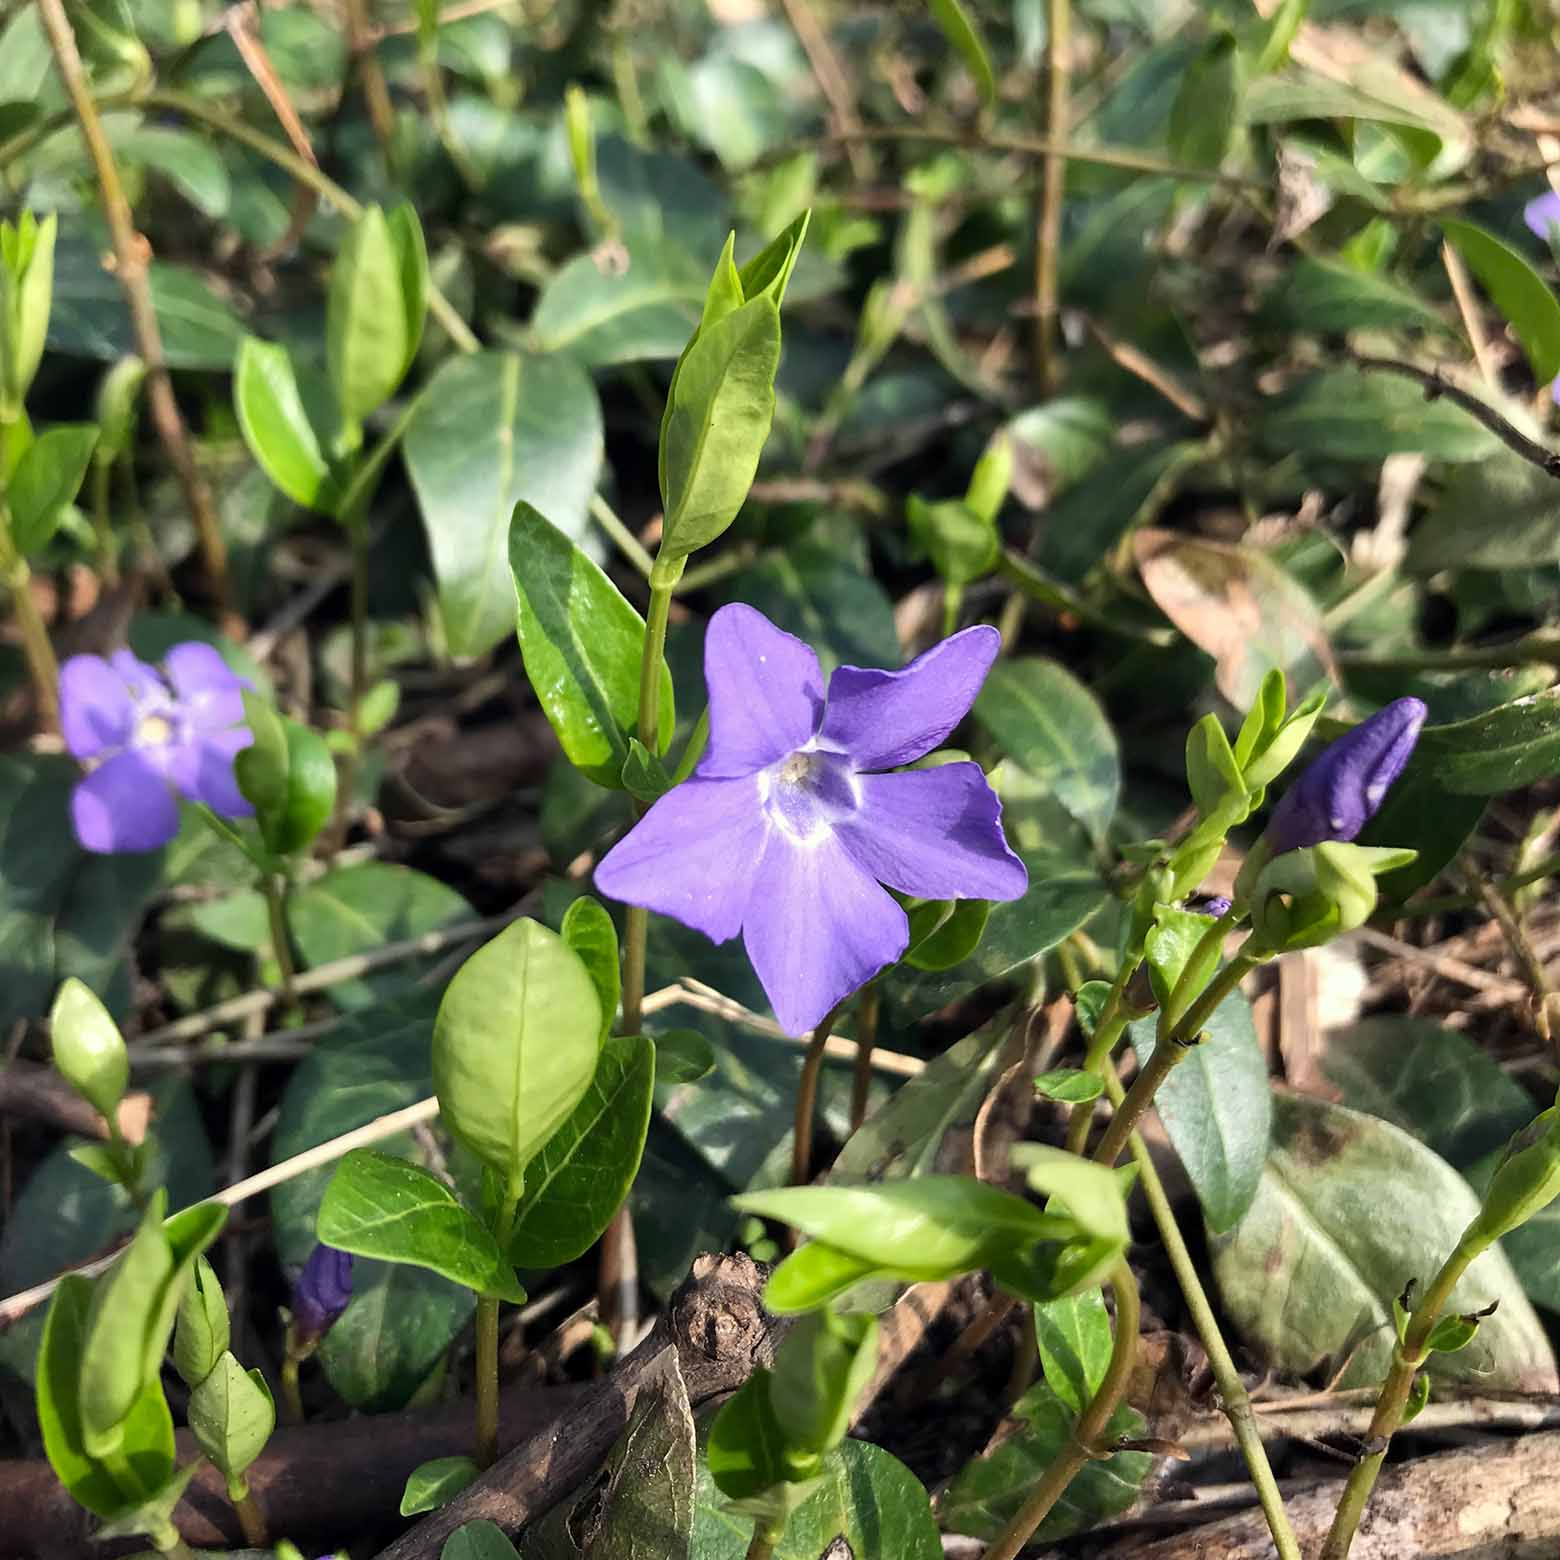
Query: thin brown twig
x,y
132,254
1468,307
1048,229
1436,385
832,81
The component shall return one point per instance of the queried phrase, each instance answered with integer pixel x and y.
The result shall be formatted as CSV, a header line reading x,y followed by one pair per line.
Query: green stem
x,y
1169,1051
277,913
1083,1445
627,543
41,664
1195,972
1108,1030
765,1536
1232,1390
292,1393
107,547
1407,1359
1048,229
168,1542
486,1450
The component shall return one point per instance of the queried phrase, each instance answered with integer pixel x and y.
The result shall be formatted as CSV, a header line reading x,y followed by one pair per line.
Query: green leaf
x,y
380,1206
717,419
288,776
1070,1085
582,644
147,1432
956,930
1503,513
682,1056
644,776
374,310
1517,290
1305,1279
192,165
88,1047
277,429
232,1416
747,1451
818,1274
1283,24
962,545
821,1369
865,1500
515,1046
962,33
598,315
1054,728
436,1483
1346,414
1217,1109
1202,119
584,1170
118,403
1074,1338
1212,773
203,1331
479,1540
1510,746
46,479
588,930
987,1493
358,909
492,430
1328,297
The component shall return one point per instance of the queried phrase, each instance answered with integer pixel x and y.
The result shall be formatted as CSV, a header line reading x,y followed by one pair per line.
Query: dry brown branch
x,y
28,1089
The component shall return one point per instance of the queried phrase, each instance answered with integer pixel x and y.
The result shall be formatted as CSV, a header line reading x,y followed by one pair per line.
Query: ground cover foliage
x,y
465,403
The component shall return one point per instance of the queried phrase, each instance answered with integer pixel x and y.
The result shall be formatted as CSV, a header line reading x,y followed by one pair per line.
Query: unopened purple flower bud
x,y
1344,787
321,1294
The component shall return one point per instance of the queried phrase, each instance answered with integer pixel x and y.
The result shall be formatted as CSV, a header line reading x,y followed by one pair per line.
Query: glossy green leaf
x,y
380,1206
717,420
1510,746
821,1368
277,429
746,1454
1202,118
1518,291
46,479
492,430
1070,1085
597,315
584,1170
1074,1339
962,545
515,1046
374,311
955,934
361,908
818,1274
479,1540
202,1332
588,930
582,644
436,1483
147,1432
88,1047
988,1492
682,1056
1217,1108
960,30
1305,1279
1053,727
232,1416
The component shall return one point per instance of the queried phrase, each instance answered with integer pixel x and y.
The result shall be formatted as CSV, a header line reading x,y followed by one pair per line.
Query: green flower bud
x,y
1307,897
88,1048
26,288
1526,1181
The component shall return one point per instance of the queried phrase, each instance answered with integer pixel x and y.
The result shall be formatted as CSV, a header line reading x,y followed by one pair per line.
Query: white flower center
x,y
806,793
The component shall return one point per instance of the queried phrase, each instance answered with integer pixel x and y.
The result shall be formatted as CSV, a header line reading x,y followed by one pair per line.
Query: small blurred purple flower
x,y
148,742
321,1293
1209,904
1345,785
790,824
1542,214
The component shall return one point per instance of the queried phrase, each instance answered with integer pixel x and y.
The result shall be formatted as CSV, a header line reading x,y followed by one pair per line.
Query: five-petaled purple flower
x,y
1342,789
150,741
790,822
321,1294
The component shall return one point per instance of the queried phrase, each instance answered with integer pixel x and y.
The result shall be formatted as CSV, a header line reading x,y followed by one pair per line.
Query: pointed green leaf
x,y
232,1416
277,428
436,1483
1517,290
46,479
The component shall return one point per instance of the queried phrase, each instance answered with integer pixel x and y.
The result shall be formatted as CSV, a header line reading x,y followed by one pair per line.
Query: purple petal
x,y
1542,213
144,682
211,692
96,710
766,693
1554,391
817,928
124,805
322,1293
935,833
692,856
883,719
202,769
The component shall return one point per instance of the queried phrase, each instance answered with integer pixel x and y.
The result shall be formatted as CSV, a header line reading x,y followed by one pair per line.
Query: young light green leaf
x,y
1070,1085
747,1452
815,1274
26,293
1211,770
232,1416
960,30
433,1484
1518,291
277,428
118,400
287,775
374,311
46,479
88,1047
953,938
588,930
202,1333
1283,24
821,1368
963,546
380,1206
580,1178
582,644
515,1046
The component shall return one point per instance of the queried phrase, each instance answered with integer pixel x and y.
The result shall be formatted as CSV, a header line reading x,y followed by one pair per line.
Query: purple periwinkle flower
x,y
1542,214
790,823
1345,785
148,741
1215,905
321,1294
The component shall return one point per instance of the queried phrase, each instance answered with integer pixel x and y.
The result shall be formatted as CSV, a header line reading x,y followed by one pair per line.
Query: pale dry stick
x,y
14,1307
831,78
376,92
1125,356
132,253
1468,307
1503,987
1048,229
1510,922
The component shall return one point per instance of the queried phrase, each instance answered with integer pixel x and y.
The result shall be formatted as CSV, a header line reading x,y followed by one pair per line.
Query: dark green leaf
x,y
190,164
1510,746
682,1056
1518,291
954,935
1503,513
433,1484
580,1178
45,481
582,644
479,1540
598,315
1074,1338
492,430
1203,116
588,930
1330,297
